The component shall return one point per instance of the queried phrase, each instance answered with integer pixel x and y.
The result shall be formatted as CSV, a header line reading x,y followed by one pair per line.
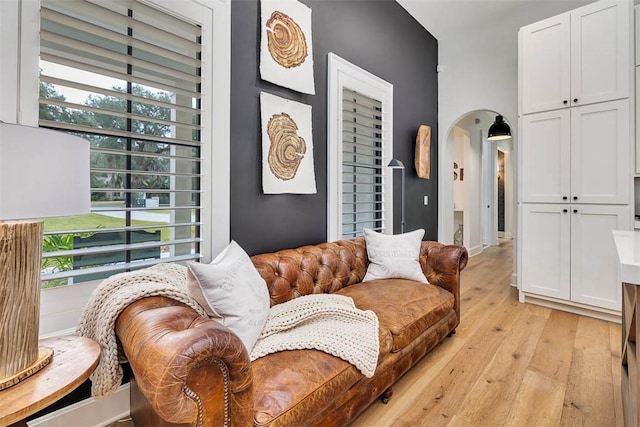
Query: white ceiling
x,y
448,19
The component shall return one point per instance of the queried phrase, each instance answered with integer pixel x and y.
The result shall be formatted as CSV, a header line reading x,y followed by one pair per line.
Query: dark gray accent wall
x,y
378,36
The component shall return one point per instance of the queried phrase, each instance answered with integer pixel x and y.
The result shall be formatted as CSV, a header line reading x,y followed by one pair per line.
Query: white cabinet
x,y
594,263
600,153
546,64
575,157
576,58
546,157
570,254
637,42
546,240
637,130
578,155
600,52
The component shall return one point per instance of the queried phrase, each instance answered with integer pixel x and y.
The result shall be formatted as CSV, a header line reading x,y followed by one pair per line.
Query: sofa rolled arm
x,y
442,264
190,369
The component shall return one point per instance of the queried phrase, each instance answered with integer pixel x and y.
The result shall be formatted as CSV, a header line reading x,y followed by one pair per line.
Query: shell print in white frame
x,y
286,53
287,146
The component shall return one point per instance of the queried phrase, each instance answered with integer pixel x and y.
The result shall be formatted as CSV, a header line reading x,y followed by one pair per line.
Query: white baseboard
x,y
571,307
89,412
474,250
504,235
60,333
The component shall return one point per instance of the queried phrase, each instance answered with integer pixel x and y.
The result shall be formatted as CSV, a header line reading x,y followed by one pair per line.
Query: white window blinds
x,y
362,159
126,77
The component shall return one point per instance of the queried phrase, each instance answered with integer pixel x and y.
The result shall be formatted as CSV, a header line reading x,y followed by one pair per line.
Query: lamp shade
x,y
499,130
396,164
43,173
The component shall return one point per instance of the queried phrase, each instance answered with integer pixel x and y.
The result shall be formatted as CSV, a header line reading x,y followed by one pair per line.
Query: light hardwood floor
x,y
509,364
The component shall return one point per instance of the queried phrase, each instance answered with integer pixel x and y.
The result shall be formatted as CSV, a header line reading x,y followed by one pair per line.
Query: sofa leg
x,y
384,397
451,333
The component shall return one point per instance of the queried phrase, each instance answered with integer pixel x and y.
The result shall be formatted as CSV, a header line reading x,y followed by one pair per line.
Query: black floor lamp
x,y
397,164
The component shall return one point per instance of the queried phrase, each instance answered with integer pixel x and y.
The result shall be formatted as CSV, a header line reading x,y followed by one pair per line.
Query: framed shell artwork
x,y
286,54
287,146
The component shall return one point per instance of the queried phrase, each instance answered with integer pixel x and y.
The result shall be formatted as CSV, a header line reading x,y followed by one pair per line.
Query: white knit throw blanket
x,y
113,295
327,322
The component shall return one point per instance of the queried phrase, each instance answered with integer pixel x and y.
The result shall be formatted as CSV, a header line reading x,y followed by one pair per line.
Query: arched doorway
x,y
483,183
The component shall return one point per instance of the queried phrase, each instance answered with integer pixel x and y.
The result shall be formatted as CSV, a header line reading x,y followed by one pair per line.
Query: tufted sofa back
x,y
323,268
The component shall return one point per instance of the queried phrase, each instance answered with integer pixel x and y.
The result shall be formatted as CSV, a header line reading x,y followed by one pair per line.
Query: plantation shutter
x,y
126,77
362,180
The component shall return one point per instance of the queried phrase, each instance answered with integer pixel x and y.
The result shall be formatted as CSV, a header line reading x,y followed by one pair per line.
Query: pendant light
x,y
499,130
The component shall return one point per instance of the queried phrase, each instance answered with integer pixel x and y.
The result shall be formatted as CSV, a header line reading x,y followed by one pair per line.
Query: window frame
x,y
19,82
343,74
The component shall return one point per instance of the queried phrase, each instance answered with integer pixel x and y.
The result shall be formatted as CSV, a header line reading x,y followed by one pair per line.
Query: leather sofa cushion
x,y
288,383
405,307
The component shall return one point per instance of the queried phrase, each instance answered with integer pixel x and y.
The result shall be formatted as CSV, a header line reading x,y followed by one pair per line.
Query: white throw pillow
x,y
394,256
231,291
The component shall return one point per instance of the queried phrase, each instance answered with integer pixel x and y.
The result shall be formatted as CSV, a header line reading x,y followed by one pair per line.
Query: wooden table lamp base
x,y
20,258
44,357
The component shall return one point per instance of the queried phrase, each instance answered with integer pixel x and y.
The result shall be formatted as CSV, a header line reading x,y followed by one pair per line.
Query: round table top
x,y
74,359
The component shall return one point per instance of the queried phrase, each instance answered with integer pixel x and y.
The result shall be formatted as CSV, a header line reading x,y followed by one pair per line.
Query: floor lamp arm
x,y
403,224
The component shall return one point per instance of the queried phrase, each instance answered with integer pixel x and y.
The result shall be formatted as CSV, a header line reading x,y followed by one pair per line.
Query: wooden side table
x,y
74,359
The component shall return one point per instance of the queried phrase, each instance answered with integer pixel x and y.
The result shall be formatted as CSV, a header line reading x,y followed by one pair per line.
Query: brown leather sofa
x,y
188,370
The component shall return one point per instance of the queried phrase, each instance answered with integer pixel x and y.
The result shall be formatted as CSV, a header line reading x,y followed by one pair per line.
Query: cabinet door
x,y
637,130
600,153
546,157
637,41
545,64
594,263
546,250
600,52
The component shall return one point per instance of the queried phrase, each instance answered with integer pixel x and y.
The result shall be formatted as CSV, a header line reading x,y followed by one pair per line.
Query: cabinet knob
x,y
564,197
565,210
565,102
575,99
575,211
575,197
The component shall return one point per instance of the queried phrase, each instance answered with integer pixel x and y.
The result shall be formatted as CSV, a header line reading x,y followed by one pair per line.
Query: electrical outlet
x,y
426,200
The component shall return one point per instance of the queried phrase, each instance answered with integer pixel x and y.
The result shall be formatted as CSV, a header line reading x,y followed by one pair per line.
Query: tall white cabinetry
x,y
575,157
576,58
